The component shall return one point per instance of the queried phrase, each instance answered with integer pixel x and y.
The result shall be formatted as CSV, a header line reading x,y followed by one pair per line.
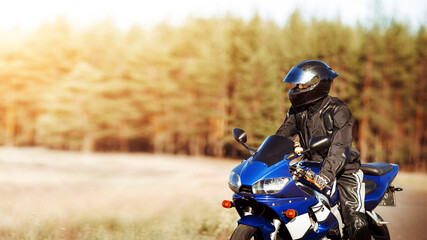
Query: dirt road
x,y
408,220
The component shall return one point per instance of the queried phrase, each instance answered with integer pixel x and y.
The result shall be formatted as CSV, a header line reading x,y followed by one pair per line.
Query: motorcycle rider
x,y
314,113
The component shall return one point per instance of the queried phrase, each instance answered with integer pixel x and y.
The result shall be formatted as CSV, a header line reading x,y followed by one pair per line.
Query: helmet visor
x,y
299,76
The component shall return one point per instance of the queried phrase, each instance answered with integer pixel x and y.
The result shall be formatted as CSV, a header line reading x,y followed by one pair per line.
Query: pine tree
x,y
420,132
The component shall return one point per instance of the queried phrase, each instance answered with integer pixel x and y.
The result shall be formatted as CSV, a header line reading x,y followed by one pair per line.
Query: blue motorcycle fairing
x,y
330,223
262,224
254,171
373,199
251,172
291,197
279,205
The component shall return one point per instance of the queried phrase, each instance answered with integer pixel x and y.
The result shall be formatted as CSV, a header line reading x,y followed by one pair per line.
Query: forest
x,y
181,89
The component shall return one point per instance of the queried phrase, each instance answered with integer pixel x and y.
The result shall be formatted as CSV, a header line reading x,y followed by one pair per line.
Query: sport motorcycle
x,y
276,197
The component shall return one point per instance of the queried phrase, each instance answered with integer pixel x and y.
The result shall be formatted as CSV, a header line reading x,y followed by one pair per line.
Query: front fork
x,y
252,215
276,223
265,227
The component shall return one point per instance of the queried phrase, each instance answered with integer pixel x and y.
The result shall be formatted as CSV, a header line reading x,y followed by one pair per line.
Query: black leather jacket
x,y
328,116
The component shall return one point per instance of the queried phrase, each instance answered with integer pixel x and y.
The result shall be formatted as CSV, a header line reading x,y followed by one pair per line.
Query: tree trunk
x,y
364,121
419,119
216,135
10,124
124,145
88,142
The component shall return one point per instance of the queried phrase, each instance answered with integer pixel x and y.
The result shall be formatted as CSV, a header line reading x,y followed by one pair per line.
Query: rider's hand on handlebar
x,y
321,181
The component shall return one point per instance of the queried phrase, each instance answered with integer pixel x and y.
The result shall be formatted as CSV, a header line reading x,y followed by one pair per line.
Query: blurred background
x,y
102,100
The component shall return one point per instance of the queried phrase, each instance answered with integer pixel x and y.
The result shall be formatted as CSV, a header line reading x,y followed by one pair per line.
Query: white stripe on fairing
x,y
359,194
321,212
298,226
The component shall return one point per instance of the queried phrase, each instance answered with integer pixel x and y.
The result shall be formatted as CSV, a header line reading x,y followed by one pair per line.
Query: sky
x,y
29,14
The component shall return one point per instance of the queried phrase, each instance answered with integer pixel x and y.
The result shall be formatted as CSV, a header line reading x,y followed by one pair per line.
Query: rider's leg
x,y
352,197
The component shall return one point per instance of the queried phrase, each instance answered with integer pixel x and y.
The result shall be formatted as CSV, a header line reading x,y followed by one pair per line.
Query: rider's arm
x,y
288,128
341,139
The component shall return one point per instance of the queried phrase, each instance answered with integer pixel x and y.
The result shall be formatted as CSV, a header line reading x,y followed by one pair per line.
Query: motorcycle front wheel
x,y
245,232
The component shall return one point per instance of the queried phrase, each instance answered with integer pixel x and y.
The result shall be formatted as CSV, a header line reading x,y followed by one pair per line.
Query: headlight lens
x,y
269,186
234,181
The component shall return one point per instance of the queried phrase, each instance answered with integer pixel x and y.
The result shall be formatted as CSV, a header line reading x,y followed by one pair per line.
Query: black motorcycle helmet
x,y
317,75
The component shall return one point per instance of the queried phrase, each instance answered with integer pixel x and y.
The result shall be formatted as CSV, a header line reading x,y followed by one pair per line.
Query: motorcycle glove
x,y
322,180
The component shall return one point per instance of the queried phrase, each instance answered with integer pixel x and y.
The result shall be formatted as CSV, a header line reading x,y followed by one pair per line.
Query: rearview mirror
x,y
239,135
319,143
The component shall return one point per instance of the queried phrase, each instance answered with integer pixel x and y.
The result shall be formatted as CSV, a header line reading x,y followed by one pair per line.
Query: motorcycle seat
x,y
376,168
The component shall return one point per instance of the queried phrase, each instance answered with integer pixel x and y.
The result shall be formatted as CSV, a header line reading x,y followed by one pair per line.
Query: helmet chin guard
x,y
299,97
317,75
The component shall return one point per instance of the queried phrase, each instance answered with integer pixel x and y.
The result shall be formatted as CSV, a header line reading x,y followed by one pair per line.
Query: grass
x,y
60,195
200,222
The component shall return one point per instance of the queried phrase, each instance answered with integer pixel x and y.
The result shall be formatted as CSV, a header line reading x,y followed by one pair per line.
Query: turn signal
x,y
290,213
227,204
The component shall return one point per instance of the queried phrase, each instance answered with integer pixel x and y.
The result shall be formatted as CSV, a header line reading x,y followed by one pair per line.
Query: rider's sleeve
x,y
288,128
341,139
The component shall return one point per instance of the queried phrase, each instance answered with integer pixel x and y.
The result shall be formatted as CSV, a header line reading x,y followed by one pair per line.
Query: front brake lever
x,y
309,176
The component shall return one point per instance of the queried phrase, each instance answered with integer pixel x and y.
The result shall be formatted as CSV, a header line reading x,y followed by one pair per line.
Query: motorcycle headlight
x,y
269,186
234,181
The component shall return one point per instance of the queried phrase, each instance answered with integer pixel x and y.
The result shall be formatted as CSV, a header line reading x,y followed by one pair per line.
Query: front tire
x,y
245,232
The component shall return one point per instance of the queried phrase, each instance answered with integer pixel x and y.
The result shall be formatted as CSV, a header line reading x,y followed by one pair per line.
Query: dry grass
x,y
62,195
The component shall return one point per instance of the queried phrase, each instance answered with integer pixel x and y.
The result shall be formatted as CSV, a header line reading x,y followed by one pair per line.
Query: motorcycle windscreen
x,y
273,150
